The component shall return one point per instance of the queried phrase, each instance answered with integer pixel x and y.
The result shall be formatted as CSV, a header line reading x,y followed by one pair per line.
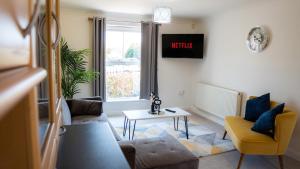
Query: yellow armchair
x,y
247,141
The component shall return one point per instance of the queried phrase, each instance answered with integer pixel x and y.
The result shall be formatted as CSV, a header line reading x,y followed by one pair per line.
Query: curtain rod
x,y
91,19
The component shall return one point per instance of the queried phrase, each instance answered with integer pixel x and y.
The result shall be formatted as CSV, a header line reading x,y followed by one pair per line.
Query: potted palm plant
x,y
74,71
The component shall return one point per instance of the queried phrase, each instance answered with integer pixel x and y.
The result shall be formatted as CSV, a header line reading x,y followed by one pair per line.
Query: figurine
x,y
155,103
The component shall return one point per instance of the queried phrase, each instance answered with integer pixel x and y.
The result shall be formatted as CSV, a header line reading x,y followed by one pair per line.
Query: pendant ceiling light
x,y
162,15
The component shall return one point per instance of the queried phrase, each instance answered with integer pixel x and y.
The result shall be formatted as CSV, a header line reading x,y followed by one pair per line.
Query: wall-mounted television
x,y
182,45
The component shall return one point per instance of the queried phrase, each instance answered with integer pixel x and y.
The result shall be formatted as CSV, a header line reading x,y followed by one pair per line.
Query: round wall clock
x,y
257,39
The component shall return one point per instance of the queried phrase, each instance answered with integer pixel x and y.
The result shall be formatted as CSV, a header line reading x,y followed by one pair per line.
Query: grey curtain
x,y
149,82
99,56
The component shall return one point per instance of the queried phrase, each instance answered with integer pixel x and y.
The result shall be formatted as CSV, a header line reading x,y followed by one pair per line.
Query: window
x,y
123,62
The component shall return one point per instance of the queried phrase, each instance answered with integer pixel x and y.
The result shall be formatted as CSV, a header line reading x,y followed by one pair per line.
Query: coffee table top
x,y
144,114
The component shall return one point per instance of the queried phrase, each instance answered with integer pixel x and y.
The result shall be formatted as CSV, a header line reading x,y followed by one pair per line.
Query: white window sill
x,y
125,99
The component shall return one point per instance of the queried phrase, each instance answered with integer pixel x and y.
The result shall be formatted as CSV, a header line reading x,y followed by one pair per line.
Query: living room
x,y
138,102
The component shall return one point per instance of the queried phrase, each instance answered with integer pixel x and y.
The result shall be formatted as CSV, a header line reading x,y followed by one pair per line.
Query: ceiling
x,y
180,8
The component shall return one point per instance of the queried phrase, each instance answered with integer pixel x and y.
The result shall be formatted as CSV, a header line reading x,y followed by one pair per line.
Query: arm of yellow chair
x,y
284,126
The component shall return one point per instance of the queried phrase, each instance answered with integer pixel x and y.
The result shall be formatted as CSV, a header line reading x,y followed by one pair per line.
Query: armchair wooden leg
x,y
240,161
280,158
225,132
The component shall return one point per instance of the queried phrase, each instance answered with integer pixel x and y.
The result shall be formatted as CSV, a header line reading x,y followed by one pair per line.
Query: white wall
x,y
77,31
229,63
174,75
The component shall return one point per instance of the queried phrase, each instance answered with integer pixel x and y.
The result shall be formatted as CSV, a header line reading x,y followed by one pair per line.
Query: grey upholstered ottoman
x,y
162,153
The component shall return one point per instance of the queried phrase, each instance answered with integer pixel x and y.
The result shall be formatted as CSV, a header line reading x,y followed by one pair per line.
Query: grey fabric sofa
x,y
86,110
89,110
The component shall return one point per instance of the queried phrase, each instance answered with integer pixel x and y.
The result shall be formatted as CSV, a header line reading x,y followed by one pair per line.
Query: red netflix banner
x,y
181,45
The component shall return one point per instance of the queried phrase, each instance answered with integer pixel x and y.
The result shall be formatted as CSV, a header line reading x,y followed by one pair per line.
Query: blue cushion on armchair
x,y
266,122
256,106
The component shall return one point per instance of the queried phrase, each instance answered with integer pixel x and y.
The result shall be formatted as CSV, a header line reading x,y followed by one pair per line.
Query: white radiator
x,y
218,101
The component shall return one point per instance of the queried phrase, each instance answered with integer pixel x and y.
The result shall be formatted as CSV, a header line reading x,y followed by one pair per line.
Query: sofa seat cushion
x,y
246,140
163,153
87,119
80,107
90,119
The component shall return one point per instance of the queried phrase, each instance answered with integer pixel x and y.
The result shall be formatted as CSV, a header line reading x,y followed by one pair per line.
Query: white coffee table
x,y
134,115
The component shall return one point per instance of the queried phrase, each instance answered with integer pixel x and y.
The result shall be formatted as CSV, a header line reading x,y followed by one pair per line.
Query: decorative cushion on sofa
x,y
162,153
86,107
256,106
66,114
266,122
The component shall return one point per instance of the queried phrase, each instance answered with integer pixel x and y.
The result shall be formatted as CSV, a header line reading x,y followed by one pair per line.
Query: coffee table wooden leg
x,y
186,127
133,129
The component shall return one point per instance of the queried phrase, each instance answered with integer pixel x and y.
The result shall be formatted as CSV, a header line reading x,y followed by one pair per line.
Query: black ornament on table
x,y
155,103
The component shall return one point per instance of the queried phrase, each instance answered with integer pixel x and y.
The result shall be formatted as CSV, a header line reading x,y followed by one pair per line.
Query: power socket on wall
x,y
181,92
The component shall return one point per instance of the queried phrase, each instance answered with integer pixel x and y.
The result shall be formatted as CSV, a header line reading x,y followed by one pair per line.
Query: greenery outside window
x,y
123,62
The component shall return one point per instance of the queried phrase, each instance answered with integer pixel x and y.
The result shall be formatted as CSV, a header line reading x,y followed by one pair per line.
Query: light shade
x,y
162,15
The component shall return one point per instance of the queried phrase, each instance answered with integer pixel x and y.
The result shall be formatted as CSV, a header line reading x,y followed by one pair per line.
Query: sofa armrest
x,y
79,107
129,153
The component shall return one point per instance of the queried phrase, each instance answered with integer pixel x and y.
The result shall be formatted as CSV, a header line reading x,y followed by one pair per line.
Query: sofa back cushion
x,y
86,107
66,114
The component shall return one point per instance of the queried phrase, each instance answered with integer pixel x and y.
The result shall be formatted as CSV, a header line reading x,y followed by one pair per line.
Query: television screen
x,y
182,45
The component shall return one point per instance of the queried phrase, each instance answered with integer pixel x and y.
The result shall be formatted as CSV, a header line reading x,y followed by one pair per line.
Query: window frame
x,y
122,27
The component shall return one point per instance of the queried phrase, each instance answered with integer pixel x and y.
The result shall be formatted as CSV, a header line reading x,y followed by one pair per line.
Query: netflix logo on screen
x,y
182,45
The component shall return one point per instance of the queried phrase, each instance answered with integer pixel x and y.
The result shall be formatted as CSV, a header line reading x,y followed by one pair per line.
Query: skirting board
x,y
207,115
115,108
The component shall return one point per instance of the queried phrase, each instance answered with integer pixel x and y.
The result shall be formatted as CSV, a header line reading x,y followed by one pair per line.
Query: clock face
x,y
257,40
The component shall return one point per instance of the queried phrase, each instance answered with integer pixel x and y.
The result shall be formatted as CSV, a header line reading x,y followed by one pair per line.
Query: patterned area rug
x,y
201,142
